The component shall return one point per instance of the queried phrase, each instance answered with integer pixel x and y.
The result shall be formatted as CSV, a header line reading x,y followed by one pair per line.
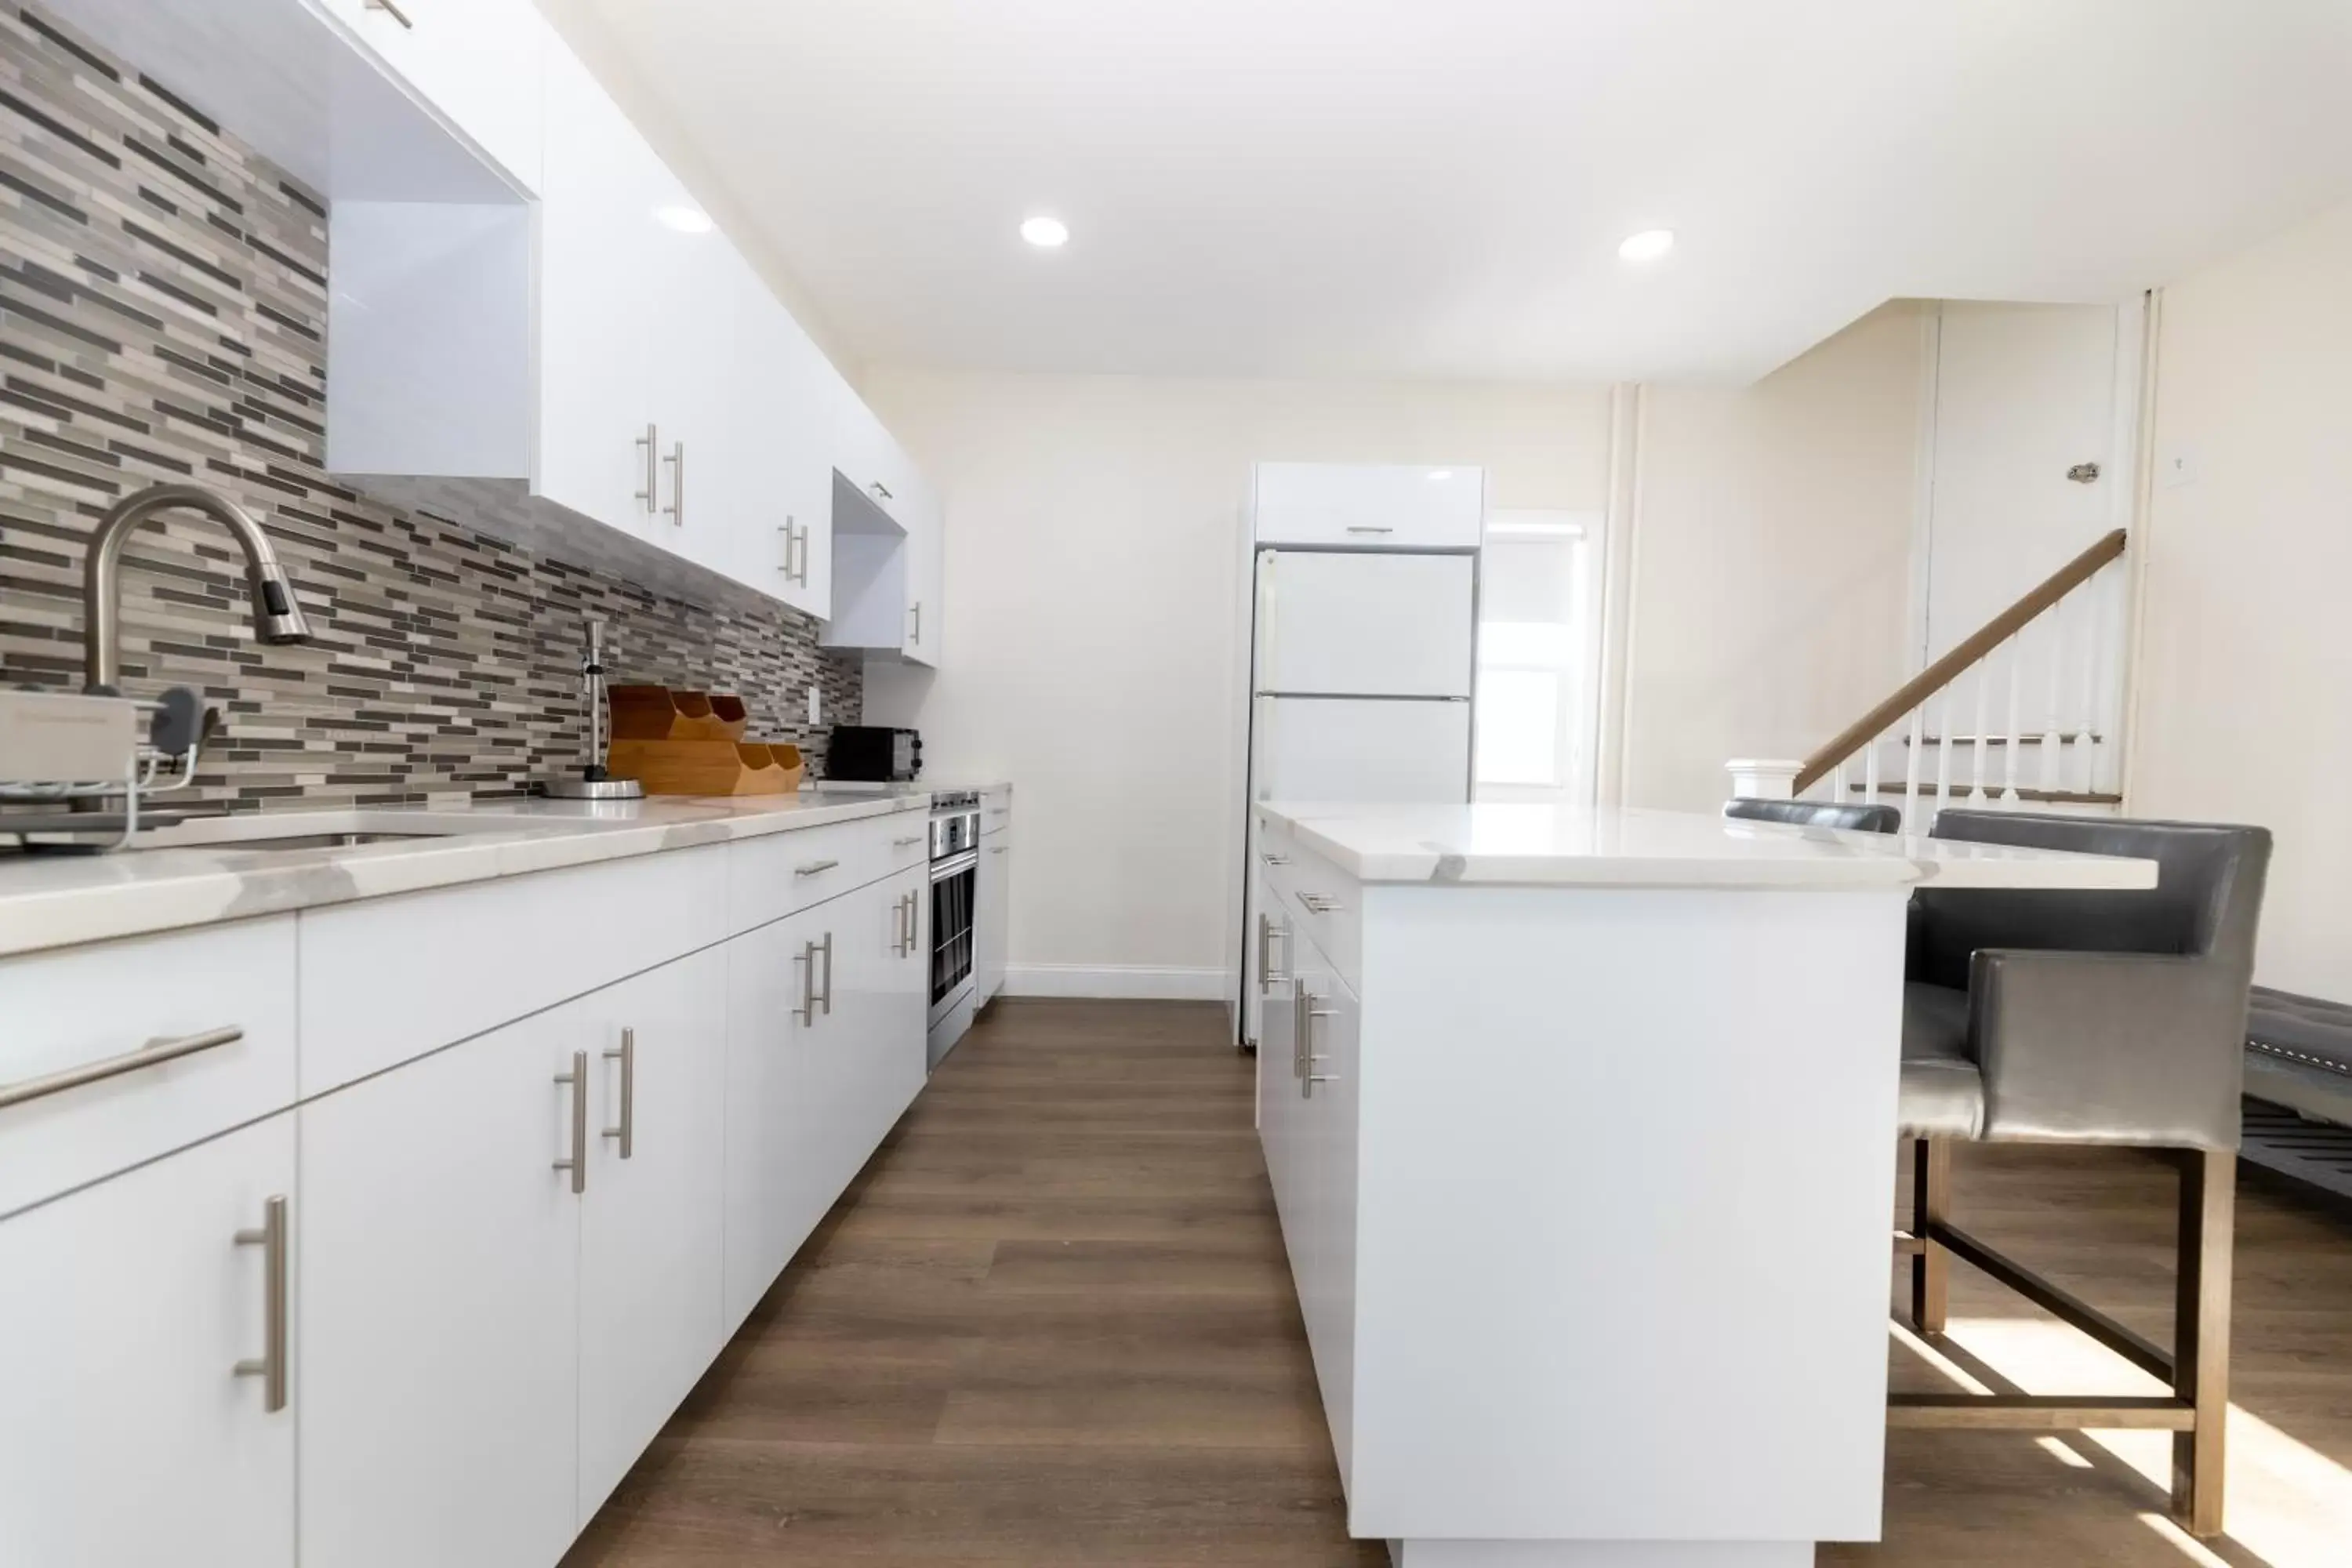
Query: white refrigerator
x,y
1359,690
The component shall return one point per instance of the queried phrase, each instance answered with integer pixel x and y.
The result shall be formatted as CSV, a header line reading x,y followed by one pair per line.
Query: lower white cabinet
x,y
128,1436
651,1220
1307,1068
992,908
825,1050
439,1286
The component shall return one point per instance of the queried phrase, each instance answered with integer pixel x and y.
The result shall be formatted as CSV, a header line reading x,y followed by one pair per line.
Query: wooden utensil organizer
x,y
692,742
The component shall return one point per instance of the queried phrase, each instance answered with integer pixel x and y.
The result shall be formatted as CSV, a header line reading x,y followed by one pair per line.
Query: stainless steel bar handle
x,y
626,1133
803,578
1264,952
827,947
806,1011
814,867
1318,902
163,1048
1271,859
578,1079
1298,1033
401,16
271,1367
899,925
915,609
787,567
1307,1076
1368,528
651,442
881,490
908,842
996,850
676,511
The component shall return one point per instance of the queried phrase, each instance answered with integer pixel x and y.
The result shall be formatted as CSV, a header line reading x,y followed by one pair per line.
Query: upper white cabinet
x,y
477,64
886,525
1400,506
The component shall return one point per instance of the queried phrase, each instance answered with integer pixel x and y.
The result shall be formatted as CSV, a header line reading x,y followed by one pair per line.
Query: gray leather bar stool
x,y
1815,813
2115,1018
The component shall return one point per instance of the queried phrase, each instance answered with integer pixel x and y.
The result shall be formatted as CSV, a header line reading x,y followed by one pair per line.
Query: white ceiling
x,y
1436,188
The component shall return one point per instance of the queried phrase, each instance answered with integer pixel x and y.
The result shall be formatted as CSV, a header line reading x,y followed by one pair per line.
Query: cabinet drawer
x,y
995,810
390,979
478,64
1322,902
773,877
75,1007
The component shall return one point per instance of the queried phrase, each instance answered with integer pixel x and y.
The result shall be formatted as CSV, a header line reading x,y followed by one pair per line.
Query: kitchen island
x,y
1580,1123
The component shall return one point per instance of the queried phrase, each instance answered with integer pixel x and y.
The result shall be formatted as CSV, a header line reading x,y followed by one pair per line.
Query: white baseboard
x,y
1140,982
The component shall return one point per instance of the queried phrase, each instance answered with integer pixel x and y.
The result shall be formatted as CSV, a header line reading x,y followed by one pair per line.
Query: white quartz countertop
x,y
1626,848
58,901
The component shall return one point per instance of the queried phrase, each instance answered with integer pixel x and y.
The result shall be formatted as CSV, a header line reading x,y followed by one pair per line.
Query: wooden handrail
x,y
1950,667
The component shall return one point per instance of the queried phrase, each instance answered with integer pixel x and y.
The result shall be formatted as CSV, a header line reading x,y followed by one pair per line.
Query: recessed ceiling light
x,y
686,220
1045,233
1647,246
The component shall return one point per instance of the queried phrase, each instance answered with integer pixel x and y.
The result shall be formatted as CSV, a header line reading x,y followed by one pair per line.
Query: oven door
x,y
955,883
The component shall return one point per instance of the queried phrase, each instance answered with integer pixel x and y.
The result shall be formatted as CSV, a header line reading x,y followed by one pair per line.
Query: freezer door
x,y
1369,625
1356,749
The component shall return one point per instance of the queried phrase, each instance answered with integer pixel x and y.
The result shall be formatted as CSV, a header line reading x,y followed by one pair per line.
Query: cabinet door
x,y
926,609
897,1035
784,414
992,907
598,253
438,1288
478,63
693,301
1327,1291
771,1201
1278,1101
127,1439
1374,506
650,1251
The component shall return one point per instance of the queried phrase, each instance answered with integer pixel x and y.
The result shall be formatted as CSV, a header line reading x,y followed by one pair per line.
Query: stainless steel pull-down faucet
x,y
277,618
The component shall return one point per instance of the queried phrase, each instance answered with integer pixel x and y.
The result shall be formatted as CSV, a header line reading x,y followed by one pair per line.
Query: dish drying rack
x,y
53,745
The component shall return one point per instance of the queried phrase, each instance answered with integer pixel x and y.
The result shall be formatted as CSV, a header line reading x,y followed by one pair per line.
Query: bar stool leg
x,y
1931,1204
2201,1357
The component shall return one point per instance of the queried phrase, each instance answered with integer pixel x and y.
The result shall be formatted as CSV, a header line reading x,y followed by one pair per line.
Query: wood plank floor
x,y
1051,1324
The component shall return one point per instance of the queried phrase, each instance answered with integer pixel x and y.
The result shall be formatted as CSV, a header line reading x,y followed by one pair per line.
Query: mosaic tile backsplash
x,y
162,316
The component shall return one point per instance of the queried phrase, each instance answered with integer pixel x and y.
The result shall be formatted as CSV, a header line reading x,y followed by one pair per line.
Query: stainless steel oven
x,y
955,878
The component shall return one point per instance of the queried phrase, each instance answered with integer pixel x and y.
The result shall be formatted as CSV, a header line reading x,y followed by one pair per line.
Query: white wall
x,y
1092,571
1771,538
2244,695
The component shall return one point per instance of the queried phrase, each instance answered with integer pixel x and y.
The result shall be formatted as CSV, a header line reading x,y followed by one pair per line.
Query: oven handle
x,y
954,865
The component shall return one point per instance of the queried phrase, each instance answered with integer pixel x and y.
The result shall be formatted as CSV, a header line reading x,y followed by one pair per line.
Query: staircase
x,y
2022,714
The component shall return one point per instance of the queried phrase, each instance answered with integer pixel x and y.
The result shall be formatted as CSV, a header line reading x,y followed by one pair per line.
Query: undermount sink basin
x,y
317,841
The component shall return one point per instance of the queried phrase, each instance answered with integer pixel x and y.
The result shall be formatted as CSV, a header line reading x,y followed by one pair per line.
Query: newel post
x,y
1754,779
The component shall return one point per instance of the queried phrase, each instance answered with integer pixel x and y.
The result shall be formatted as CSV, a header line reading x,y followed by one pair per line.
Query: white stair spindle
x,y
1870,770
1984,678
2054,638
1911,767
1837,784
2016,647
2088,729
1944,751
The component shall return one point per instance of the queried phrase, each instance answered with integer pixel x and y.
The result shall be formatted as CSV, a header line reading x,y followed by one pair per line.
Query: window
x,y
1538,641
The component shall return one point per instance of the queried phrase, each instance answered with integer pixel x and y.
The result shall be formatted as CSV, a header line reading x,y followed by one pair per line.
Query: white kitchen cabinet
x,y
478,65
651,1264
128,1439
992,908
1398,506
782,408
601,448
1330,1021
773,1198
889,969
438,1305
889,582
